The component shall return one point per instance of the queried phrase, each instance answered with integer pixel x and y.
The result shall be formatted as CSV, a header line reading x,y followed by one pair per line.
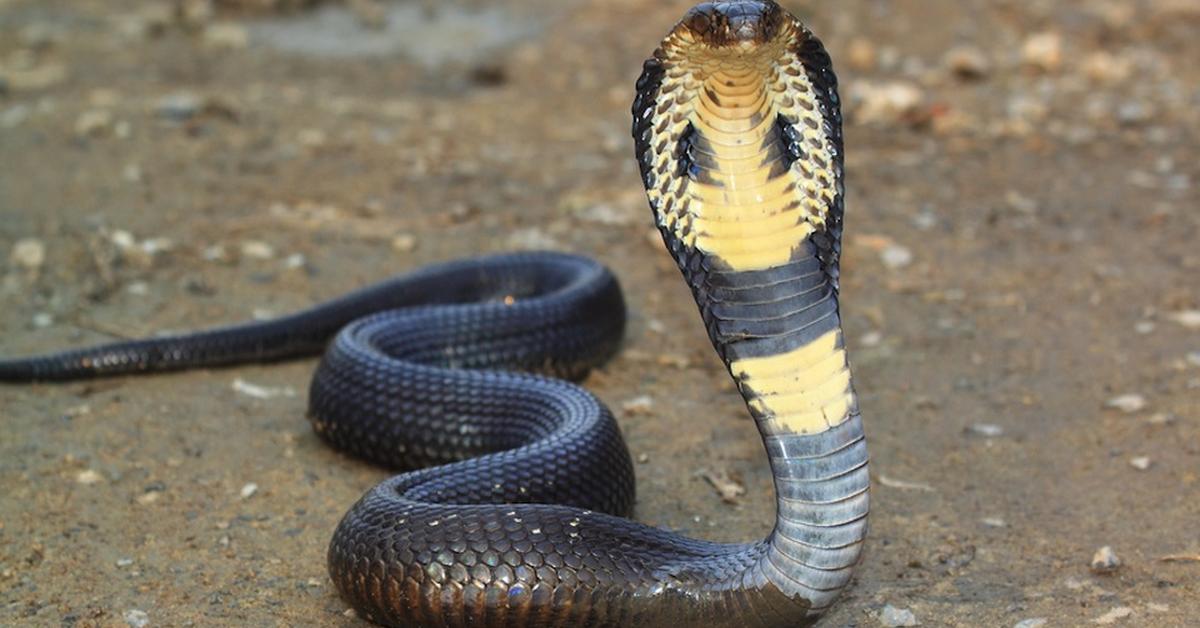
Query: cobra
x,y
510,511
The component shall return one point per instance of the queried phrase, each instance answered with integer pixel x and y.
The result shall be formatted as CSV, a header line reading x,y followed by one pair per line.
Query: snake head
x,y
742,23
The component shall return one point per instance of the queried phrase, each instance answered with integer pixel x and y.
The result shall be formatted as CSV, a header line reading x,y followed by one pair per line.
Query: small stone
x,y
89,477
1043,51
994,522
989,430
1155,607
1160,418
967,62
226,35
532,238
1141,463
124,562
179,106
1111,617
1188,318
294,261
642,404
42,320
1143,327
1105,561
248,490
1193,358
1035,622
93,123
29,253
895,256
36,78
149,497
1103,67
404,242
1128,404
885,103
136,618
14,115
871,339
895,617
257,249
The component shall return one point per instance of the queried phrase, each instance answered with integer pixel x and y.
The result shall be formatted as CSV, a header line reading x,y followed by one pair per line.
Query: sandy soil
x,y
1020,288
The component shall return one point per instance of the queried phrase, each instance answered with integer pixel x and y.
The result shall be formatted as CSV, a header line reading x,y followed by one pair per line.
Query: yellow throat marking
x,y
804,391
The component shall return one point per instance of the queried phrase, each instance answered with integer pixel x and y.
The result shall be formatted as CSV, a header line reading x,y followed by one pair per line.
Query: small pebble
x,y
257,249
1105,561
885,103
1128,403
124,562
871,339
1193,358
1043,51
990,430
404,242
294,261
93,123
1111,617
895,257
641,404
1143,327
179,106
29,253
149,497
895,617
248,490
136,618
1188,318
1141,463
42,320
862,55
994,522
1160,418
1035,622
88,477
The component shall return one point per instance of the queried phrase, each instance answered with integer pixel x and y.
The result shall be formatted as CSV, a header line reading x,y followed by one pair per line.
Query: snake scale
x,y
510,510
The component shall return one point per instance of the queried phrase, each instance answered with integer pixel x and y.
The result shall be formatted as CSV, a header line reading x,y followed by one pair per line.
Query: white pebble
x,y
871,339
895,617
1043,51
404,242
1105,560
123,239
1188,318
1035,622
1128,403
249,490
642,404
136,618
1143,327
295,260
124,562
42,319
1141,463
994,522
29,252
895,256
88,477
990,430
257,249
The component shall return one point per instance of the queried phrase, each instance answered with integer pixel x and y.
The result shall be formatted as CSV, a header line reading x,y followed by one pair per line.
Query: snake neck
x,y
740,148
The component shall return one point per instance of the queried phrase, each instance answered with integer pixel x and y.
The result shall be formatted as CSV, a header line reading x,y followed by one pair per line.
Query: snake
x,y
515,486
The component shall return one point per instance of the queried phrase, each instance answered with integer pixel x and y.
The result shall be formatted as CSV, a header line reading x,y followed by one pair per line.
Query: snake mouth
x,y
738,26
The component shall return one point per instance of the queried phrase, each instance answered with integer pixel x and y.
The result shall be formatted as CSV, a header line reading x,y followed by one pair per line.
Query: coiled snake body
x,y
738,137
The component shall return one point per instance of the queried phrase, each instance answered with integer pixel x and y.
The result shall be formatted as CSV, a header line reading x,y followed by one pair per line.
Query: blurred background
x,y
1020,287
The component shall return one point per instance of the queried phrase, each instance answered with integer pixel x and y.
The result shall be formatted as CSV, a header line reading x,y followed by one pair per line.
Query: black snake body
x,y
511,511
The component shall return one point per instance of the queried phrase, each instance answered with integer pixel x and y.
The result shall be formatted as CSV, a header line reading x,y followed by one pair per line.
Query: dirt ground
x,y
1020,287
